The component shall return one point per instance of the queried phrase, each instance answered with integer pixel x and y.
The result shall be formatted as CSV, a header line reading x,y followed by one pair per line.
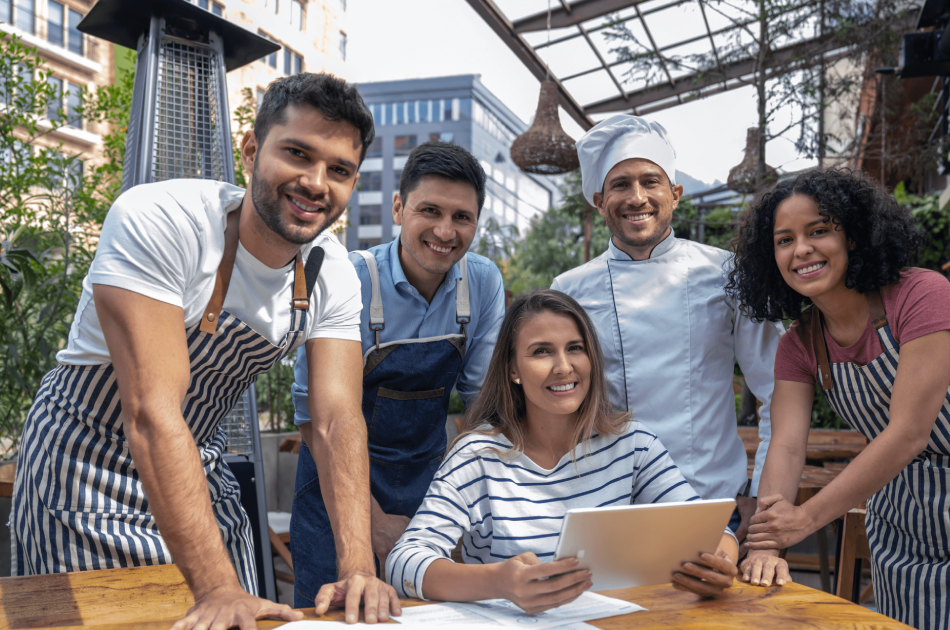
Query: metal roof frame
x,y
675,90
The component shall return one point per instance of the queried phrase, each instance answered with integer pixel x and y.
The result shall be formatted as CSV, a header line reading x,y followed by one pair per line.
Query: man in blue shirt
x,y
430,318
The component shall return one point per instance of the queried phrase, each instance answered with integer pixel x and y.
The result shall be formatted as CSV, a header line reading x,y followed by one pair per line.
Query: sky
x,y
407,39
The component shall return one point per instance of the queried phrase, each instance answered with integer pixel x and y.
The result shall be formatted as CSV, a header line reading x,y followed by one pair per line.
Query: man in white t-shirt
x,y
197,287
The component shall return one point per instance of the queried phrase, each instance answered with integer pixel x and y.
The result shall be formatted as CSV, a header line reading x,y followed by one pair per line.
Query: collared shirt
x,y
670,337
409,316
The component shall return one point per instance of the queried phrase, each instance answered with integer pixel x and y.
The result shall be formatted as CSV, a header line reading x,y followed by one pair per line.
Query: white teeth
x,y
809,269
441,250
637,217
563,388
302,207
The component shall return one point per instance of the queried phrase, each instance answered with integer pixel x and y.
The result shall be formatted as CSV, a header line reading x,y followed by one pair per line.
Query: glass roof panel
x,y
516,9
606,45
592,88
569,57
540,38
675,24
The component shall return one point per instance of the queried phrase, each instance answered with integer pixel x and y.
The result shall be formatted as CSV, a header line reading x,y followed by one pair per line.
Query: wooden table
x,y
822,444
152,598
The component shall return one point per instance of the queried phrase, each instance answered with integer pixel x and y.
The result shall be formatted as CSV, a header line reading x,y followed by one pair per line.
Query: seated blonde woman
x,y
542,439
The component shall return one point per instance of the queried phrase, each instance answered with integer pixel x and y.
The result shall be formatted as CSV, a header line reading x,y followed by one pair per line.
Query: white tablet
x,y
640,545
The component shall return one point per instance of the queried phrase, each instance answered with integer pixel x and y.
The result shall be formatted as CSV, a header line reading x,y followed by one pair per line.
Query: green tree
x,y
51,211
555,241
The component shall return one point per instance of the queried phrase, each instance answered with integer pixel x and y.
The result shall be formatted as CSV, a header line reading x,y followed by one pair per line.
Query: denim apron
x,y
908,520
406,387
78,502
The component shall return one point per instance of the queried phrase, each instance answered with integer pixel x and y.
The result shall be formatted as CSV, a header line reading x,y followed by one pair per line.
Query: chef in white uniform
x,y
669,332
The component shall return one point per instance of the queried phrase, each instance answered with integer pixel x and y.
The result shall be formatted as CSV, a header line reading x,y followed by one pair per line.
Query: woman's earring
x,y
518,381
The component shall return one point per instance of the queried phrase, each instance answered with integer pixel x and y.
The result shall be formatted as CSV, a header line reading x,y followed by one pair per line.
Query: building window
x,y
272,5
288,61
446,136
260,98
24,14
293,63
370,242
375,149
203,4
270,59
54,22
371,215
342,5
217,9
75,36
298,64
296,14
372,181
74,106
53,109
405,144
5,16
342,45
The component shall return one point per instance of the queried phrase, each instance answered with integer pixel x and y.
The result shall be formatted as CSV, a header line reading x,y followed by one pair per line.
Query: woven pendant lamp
x,y
545,149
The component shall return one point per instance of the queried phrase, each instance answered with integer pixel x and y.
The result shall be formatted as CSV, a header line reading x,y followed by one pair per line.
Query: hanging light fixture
x,y
545,149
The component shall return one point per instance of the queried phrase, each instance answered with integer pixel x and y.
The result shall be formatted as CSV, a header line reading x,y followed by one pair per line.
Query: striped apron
x,y
908,520
78,503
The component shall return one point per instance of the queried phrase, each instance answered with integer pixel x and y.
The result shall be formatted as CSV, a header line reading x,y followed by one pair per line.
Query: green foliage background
x,y
51,211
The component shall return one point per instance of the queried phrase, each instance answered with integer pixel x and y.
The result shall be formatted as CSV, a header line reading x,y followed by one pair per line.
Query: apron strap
x,y
376,320
209,321
463,310
821,350
306,279
878,316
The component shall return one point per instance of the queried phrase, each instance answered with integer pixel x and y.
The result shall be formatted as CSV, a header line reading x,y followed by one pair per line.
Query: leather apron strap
x,y
209,321
879,319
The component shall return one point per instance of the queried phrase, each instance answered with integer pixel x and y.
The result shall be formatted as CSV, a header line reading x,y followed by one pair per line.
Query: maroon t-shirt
x,y
919,304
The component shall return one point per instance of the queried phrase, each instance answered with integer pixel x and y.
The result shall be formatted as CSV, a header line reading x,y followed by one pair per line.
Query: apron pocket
x,y
408,422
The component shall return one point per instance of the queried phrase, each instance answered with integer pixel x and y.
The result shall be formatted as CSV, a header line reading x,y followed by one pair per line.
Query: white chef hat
x,y
620,138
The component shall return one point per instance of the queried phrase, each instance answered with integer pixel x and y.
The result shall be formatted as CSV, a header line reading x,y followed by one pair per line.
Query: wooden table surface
x,y
152,598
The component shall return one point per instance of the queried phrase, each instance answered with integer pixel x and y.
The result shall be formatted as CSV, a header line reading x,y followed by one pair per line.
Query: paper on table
x,y
484,624
585,608
443,615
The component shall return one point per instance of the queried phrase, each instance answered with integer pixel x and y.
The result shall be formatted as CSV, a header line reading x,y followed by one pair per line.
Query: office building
x,y
74,60
455,109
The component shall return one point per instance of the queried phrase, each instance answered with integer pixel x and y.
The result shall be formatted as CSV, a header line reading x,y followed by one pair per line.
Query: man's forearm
x,y
342,460
167,462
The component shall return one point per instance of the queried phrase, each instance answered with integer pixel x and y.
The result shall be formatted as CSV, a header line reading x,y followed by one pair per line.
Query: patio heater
x,y
179,127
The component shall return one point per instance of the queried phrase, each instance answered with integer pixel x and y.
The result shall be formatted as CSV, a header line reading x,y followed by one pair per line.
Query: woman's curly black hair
x,y
885,239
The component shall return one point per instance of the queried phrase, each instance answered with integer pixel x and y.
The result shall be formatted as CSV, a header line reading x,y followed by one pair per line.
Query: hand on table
x,y
762,567
387,528
230,606
536,587
747,507
379,599
778,524
709,577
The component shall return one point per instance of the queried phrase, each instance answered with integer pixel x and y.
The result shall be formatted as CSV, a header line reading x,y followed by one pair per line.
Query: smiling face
x,y
811,252
552,361
637,203
303,174
438,219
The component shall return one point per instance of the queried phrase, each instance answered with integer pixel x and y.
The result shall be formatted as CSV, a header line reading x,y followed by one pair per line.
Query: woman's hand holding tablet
x,y
709,577
535,586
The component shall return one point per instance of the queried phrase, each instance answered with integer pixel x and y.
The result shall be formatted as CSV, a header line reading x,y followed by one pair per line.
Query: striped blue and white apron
x,y
78,503
908,520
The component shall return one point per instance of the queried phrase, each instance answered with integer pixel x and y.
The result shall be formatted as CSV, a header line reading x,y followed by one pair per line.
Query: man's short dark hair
x,y
335,99
444,159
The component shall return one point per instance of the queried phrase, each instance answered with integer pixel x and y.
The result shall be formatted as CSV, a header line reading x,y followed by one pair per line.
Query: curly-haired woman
x,y
834,252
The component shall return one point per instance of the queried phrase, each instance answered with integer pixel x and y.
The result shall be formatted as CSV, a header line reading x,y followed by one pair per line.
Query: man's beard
x,y
268,209
616,225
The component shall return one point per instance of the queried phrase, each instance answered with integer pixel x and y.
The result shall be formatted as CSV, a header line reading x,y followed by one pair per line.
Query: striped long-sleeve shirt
x,y
501,506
